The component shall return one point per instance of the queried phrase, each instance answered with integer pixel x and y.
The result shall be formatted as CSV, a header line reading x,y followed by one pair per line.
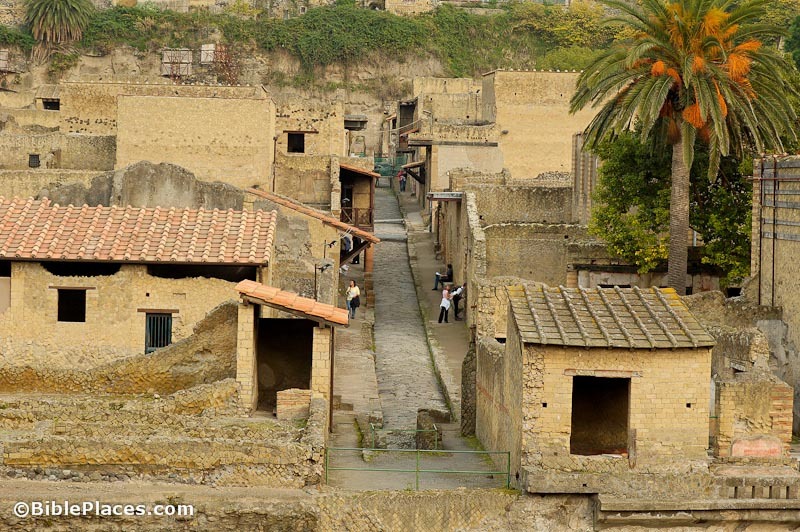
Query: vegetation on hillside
x,y
520,35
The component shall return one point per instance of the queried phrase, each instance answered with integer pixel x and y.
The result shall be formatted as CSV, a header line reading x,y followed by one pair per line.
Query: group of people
x,y
450,294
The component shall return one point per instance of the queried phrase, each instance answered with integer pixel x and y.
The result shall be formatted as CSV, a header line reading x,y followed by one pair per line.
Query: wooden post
x,y
369,262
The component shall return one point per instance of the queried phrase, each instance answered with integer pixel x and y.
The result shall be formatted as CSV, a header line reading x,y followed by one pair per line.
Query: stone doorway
x,y
283,358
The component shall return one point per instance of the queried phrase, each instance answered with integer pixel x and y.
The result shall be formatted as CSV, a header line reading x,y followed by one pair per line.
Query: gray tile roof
x,y
653,318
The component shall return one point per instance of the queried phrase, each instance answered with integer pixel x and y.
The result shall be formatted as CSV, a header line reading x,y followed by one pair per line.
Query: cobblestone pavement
x,y
406,382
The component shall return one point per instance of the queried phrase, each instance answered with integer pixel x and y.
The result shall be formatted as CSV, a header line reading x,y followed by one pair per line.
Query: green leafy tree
x,y
697,69
632,206
55,22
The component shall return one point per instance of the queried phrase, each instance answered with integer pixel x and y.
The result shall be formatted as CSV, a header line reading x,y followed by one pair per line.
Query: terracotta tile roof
x,y
293,303
314,213
358,170
39,230
605,317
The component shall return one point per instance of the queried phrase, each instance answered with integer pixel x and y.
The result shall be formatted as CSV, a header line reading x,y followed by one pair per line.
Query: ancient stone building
x,y
131,279
586,387
219,133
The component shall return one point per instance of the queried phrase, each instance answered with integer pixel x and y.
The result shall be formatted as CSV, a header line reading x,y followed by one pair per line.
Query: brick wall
x,y
246,373
668,423
321,361
752,405
293,403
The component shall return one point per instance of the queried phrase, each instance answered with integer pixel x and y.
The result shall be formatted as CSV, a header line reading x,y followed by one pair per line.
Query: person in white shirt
x,y
444,306
353,299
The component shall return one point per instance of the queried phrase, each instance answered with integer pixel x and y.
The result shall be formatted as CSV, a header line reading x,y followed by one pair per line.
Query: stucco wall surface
x,y
217,139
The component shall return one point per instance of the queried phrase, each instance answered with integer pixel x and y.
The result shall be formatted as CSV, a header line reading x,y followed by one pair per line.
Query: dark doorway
x,y
600,408
284,358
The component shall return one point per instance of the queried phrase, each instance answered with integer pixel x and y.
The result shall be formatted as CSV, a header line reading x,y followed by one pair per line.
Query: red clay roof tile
x,y
293,303
39,230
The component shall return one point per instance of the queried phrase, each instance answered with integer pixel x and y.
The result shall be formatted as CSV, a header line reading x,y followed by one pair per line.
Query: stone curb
x,y
447,383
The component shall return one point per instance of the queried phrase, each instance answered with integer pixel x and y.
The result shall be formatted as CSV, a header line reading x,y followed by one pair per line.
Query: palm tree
x,y
56,22
697,69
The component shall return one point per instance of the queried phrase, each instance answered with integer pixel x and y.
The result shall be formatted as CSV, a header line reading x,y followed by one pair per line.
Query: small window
x,y
158,331
71,305
600,408
33,160
51,104
303,10
296,143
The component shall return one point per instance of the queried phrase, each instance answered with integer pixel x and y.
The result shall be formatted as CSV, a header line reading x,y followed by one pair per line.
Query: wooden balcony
x,y
359,217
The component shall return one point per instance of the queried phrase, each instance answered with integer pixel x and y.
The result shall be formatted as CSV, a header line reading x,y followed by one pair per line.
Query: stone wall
x,y
191,436
321,124
293,404
115,314
37,182
206,356
499,398
306,178
667,425
299,247
752,408
774,258
516,204
412,7
145,184
532,111
436,85
34,117
537,252
218,139
451,106
90,108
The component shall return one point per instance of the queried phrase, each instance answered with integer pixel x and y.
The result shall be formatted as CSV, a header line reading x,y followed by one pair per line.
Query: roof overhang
x,y
446,196
291,303
357,170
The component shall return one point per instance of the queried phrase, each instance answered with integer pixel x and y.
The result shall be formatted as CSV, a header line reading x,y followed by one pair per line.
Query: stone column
x,y
246,373
369,264
321,362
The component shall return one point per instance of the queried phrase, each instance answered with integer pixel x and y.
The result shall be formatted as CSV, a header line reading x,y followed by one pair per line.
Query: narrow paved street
x,y
406,381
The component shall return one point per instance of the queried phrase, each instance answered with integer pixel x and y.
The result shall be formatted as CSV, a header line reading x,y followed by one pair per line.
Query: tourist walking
x,y
444,306
353,299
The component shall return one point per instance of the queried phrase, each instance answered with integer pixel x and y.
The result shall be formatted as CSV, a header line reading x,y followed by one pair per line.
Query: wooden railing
x,y
360,217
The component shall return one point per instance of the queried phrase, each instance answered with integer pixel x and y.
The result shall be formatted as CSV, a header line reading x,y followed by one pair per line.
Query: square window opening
x,y
600,413
71,305
296,142
33,160
158,331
